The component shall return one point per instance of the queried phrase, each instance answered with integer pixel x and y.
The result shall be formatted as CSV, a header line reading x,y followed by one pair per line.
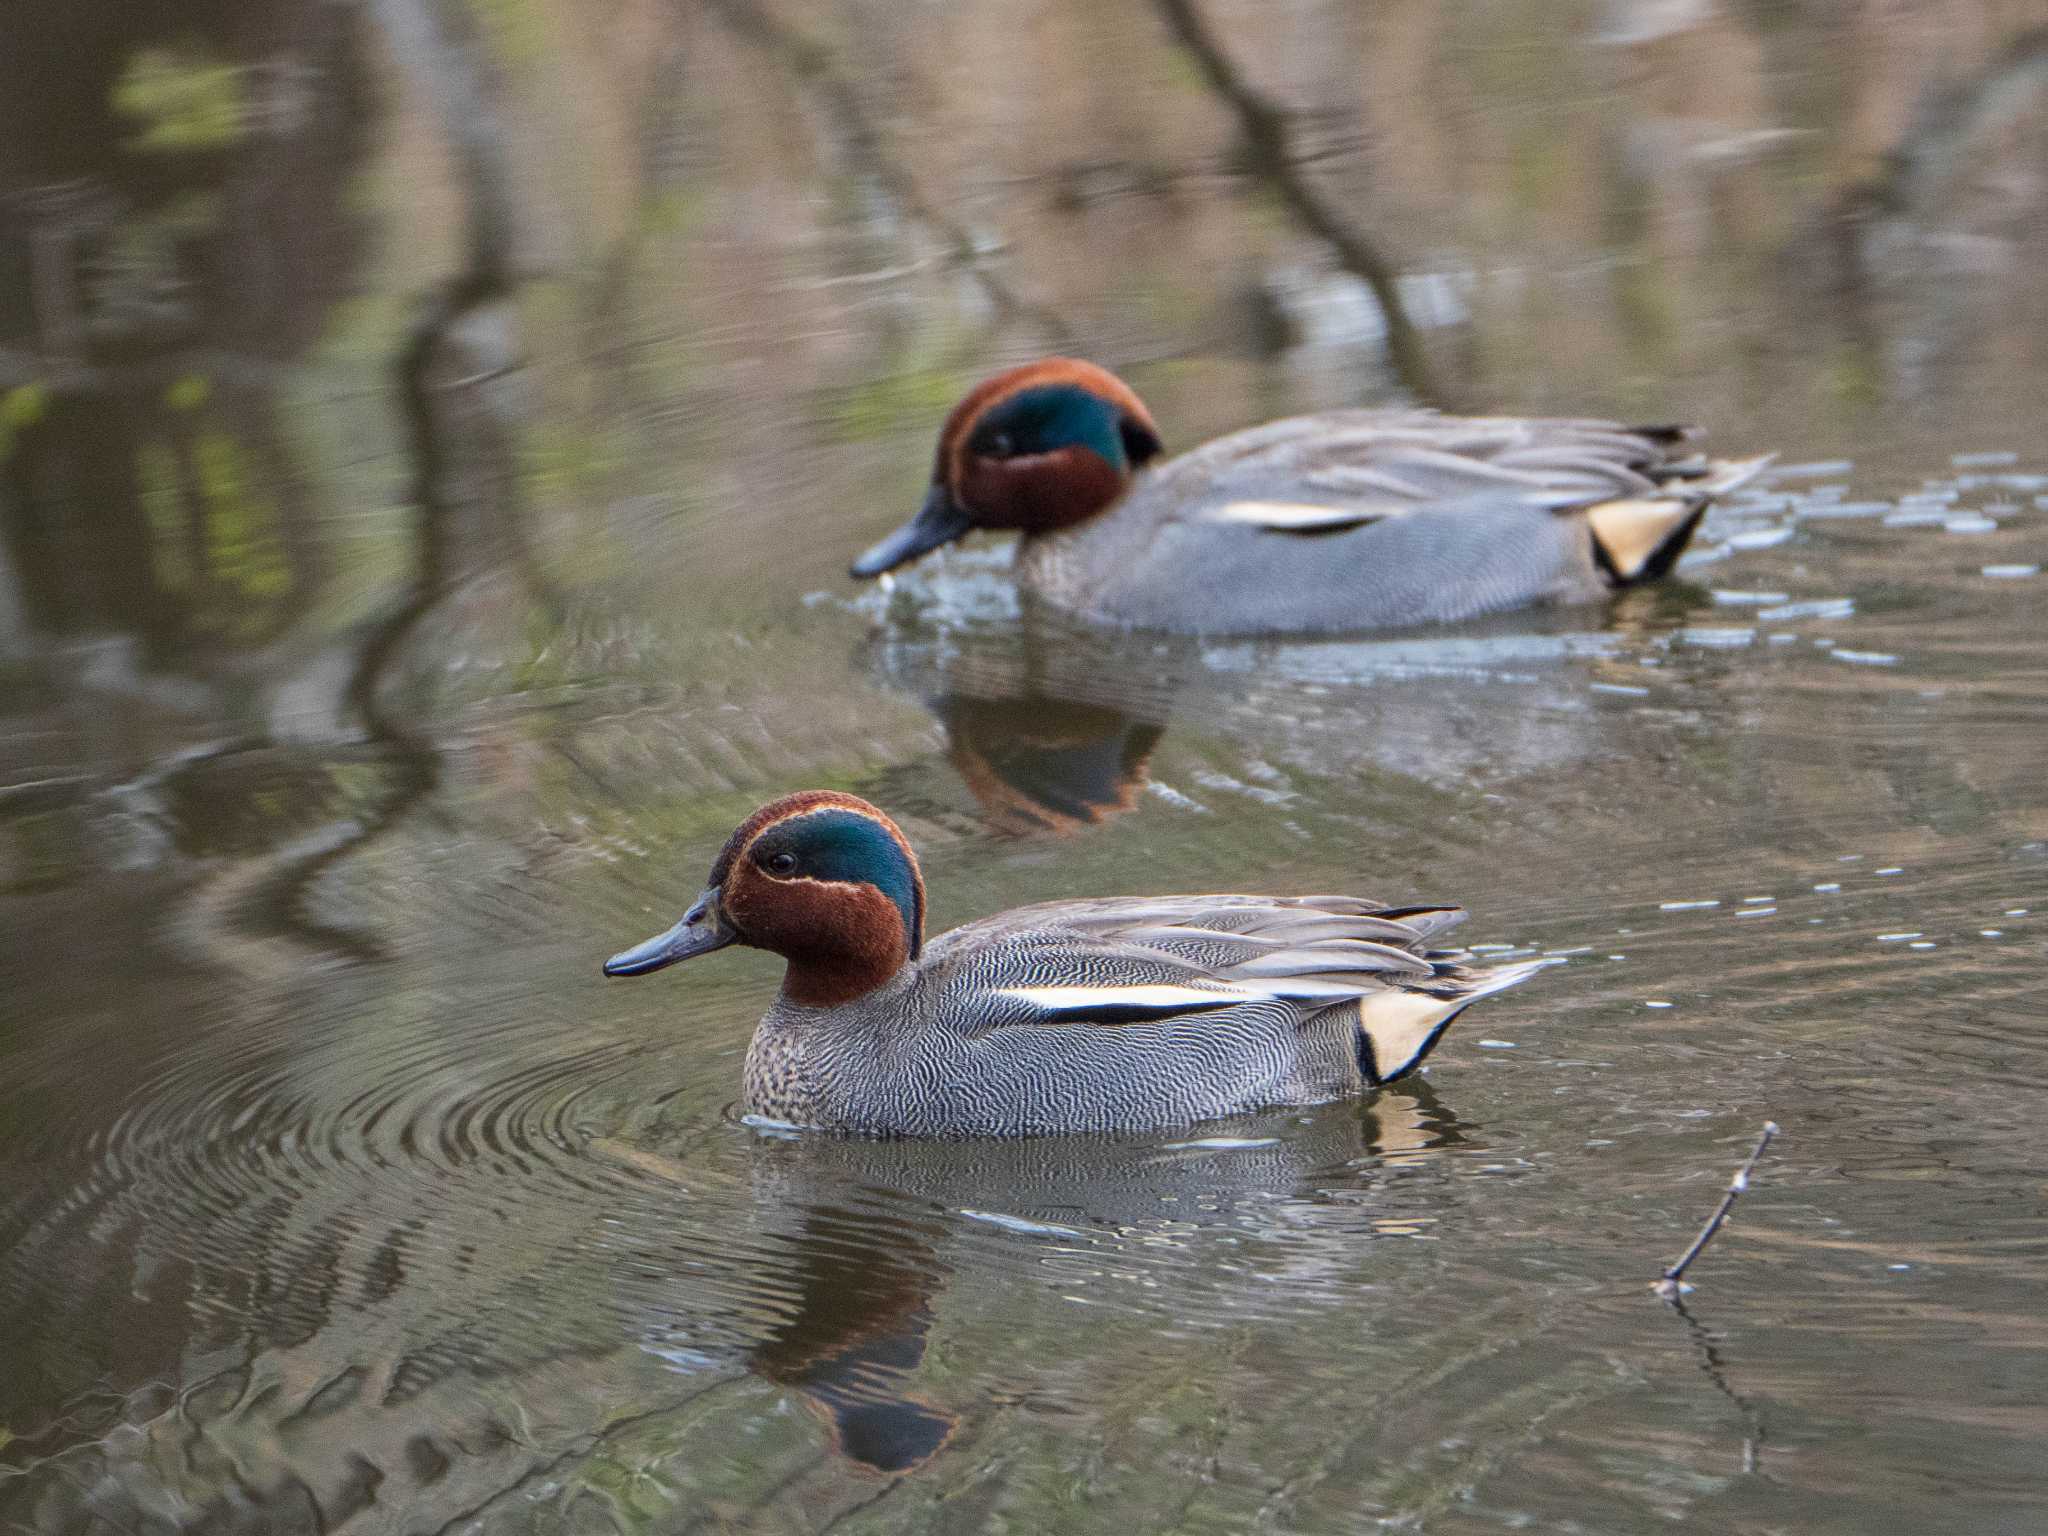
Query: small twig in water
x,y
1671,1284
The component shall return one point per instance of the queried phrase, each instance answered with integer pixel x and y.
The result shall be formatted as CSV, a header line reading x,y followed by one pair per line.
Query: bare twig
x,y
453,76
655,138
1671,1284
812,64
1923,169
1268,138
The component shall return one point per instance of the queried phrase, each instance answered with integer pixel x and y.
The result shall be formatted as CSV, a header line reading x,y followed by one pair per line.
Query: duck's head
x,y
1035,448
821,878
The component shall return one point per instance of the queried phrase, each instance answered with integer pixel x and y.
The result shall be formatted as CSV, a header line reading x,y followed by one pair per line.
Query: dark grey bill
x,y
702,930
939,521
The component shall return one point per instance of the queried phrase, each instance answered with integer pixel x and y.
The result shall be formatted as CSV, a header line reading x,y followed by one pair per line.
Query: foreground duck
x,y
1342,521
1125,1013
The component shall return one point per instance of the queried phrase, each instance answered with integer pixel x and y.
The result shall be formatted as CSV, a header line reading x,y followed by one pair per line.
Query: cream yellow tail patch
x,y
1630,533
1400,1027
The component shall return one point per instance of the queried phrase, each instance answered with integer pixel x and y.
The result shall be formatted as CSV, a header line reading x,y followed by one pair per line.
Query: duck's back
x,y
1353,520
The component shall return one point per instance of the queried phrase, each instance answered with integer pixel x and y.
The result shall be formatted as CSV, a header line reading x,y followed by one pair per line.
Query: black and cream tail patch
x,y
1639,538
1396,1030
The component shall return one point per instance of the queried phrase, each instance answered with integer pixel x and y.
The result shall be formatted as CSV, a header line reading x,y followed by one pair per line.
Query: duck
x,y
1336,522
1109,1014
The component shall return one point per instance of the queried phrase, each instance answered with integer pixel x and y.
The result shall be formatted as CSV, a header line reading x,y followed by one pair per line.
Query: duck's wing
x,y
1641,489
1104,964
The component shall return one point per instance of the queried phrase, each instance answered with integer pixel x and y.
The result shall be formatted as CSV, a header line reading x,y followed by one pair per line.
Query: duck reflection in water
x,y
874,1233
856,1336
1055,731
1043,765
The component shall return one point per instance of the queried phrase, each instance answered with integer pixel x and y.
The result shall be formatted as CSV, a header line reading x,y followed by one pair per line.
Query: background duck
x,y
1335,522
1124,1013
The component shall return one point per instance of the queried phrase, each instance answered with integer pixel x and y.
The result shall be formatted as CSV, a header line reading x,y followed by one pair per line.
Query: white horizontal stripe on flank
x,y
1155,995
1292,514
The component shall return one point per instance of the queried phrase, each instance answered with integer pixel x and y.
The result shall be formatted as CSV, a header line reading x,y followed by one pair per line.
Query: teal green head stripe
x,y
844,845
1045,417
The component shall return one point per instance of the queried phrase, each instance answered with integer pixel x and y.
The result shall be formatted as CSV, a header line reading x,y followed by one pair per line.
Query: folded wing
x,y
1641,488
1119,962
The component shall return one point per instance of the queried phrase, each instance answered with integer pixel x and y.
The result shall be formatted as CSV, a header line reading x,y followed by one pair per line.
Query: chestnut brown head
x,y
821,878
1036,448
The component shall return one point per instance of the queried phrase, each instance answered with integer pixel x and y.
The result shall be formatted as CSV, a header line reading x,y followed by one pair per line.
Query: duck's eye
x,y
781,864
999,445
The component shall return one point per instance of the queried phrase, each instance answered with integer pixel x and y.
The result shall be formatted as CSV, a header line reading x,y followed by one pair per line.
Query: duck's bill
x,y
939,521
702,930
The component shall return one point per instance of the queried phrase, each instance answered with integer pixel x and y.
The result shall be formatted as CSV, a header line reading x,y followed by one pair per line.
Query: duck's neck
x,y
1058,567
832,981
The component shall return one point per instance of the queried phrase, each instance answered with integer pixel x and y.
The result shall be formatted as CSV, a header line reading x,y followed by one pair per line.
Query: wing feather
x,y
1119,961
1231,965
1342,470
1301,516
1355,956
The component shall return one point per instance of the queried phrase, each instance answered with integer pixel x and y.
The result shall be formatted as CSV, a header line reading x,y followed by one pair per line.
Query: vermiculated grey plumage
x,y
1122,1014
1354,520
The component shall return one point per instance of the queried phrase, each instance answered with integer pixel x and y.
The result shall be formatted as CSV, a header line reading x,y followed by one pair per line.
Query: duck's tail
x,y
1398,1027
1640,538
